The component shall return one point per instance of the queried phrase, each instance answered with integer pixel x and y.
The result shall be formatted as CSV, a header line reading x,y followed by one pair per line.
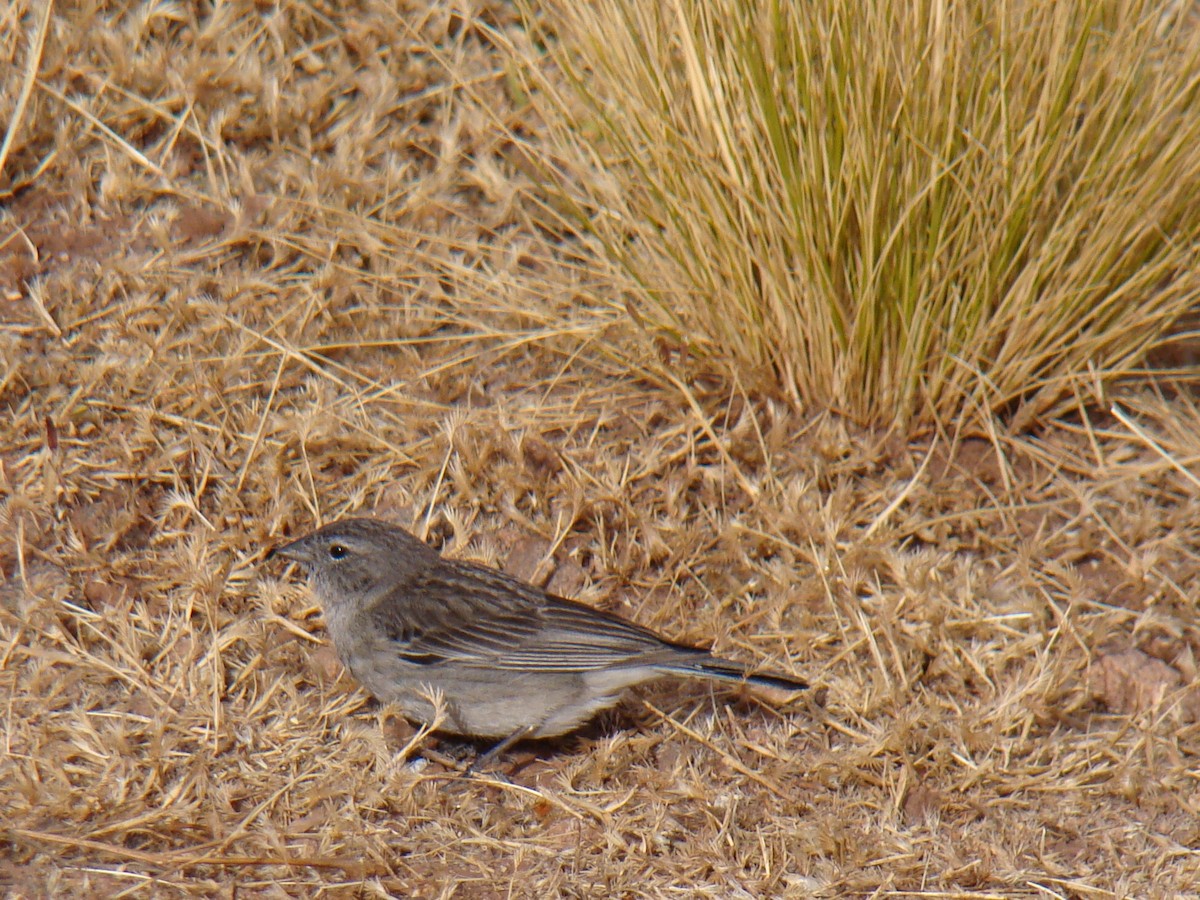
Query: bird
x,y
498,658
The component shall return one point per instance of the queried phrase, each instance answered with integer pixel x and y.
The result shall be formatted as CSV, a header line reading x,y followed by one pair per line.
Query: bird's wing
x,y
474,616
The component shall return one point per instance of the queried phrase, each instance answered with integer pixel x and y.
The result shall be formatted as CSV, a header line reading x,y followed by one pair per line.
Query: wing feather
x,y
467,615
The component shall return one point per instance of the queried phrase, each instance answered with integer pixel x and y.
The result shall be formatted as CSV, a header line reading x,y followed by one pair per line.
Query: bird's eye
x,y
337,551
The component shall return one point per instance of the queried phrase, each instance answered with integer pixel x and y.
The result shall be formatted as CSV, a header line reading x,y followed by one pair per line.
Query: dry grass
x,y
908,211
276,264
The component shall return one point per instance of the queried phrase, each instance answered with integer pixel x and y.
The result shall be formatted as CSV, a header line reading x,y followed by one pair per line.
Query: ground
x,y
265,266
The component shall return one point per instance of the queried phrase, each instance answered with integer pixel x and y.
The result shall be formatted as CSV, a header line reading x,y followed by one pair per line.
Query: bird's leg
x,y
481,761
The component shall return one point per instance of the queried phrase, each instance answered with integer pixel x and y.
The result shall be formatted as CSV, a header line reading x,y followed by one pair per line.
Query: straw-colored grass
x,y
906,211
263,266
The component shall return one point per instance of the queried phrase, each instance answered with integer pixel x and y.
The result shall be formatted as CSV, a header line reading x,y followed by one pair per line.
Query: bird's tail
x,y
727,670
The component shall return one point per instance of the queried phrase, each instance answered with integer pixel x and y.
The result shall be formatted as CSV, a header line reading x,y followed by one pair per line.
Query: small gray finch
x,y
510,660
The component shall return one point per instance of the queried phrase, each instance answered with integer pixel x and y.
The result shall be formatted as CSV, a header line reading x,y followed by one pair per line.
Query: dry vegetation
x,y
266,265
905,210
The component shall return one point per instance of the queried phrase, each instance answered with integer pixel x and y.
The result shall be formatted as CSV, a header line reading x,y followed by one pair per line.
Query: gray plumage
x,y
509,658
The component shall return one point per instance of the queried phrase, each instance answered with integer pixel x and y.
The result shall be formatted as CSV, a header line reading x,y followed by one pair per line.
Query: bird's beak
x,y
293,551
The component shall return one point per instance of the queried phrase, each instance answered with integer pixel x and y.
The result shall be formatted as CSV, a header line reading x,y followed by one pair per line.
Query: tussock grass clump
x,y
902,210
